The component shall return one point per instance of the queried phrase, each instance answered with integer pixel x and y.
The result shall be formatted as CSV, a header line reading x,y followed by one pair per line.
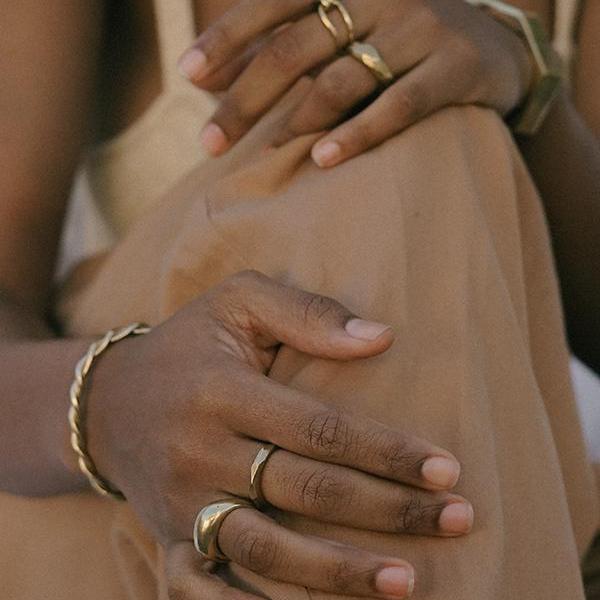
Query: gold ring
x,y
255,492
324,7
370,57
208,523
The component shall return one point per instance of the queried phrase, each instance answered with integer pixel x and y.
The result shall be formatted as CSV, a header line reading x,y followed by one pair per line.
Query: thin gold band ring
x,y
324,7
256,470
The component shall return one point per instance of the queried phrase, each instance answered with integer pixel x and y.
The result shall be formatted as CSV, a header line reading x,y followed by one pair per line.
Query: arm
x,y
48,53
564,159
586,80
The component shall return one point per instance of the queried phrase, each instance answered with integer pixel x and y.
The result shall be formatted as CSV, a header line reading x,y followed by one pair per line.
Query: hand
x,y
442,52
174,421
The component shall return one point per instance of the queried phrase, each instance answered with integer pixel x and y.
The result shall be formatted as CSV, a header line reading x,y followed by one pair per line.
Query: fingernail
x,y
213,138
327,154
441,472
457,518
395,581
193,64
365,330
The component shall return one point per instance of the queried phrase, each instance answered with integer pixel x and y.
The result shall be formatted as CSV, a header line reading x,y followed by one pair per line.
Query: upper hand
x,y
175,418
442,52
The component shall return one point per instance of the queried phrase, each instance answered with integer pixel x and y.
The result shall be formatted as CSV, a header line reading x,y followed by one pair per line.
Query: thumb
x,y
311,323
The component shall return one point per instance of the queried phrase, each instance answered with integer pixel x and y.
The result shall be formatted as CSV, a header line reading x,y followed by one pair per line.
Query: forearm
x,y
35,374
564,159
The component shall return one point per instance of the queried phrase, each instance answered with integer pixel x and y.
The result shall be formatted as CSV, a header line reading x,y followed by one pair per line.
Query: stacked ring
x,y
208,523
324,7
369,56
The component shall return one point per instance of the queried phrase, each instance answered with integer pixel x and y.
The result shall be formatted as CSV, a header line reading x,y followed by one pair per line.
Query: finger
x,y
417,94
189,577
229,35
221,78
283,60
271,313
344,496
343,85
336,91
296,421
257,543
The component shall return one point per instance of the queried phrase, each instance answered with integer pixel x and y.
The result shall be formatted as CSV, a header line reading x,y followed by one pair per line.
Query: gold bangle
x,y
76,409
528,118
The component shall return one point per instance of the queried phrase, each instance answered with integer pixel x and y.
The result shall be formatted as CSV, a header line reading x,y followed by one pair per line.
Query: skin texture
x,y
37,365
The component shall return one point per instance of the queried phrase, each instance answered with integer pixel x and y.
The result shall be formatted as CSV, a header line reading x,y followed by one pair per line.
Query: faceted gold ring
x,y
323,9
256,470
369,56
208,523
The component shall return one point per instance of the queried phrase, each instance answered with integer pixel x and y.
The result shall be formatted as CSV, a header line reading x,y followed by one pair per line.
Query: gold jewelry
x,y
208,523
255,493
528,118
369,56
324,7
76,410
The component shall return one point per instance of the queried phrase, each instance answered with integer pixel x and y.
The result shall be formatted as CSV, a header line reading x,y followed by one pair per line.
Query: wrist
x,y
96,413
528,116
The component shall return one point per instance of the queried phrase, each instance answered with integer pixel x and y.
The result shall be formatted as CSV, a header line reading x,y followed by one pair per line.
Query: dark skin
x,y
35,182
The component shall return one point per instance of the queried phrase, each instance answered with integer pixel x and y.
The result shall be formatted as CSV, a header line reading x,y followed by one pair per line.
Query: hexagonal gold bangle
x,y
528,118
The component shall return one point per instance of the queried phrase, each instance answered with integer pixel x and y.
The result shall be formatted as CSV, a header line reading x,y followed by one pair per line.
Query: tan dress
x,y
439,232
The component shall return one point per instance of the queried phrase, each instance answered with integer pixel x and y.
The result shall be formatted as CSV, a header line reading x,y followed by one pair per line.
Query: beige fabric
x,y
130,173
123,178
438,232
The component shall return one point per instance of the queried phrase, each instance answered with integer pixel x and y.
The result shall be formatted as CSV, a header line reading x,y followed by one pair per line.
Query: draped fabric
x,y
438,232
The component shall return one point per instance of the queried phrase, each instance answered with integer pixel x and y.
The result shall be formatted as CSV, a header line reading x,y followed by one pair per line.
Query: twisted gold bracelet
x,y
76,409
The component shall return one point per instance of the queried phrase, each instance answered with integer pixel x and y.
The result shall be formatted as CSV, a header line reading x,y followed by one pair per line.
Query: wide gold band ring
x,y
208,523
369,56
255,492
323,9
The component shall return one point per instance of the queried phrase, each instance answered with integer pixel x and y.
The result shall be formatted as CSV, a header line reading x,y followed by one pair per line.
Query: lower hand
x,y
441,52
175,418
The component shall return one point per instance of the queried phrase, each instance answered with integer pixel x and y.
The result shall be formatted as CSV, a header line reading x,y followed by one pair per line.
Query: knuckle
x,y
332,90
322,492
256,551
314,308
396,457
347,574
391,454
414,514
409,103
327,433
